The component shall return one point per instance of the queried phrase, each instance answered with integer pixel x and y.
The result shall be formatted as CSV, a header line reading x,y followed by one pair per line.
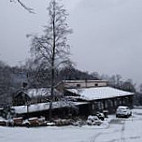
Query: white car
x,y
123,111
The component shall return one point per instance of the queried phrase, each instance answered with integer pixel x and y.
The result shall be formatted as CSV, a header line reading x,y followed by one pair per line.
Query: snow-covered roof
x,y
40,92
99,93
45,106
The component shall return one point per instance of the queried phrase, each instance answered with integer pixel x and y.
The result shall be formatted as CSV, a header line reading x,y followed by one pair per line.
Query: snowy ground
x,y
118,130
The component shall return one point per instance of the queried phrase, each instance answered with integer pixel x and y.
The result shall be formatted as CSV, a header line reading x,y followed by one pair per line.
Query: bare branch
x,y
30,10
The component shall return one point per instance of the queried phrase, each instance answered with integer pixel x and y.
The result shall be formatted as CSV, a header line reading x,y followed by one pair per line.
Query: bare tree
x,y
51,49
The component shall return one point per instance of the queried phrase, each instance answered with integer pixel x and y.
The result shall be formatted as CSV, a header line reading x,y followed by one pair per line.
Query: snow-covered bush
x,y
93,120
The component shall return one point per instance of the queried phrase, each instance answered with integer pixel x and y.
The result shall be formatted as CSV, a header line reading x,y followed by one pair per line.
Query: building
x,y
97,95
101,98
85,96
66,84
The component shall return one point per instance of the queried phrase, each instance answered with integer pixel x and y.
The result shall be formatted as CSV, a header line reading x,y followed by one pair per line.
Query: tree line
x,y
12,78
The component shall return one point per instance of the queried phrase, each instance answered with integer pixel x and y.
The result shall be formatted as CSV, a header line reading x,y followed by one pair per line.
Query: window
x,y
96,84
78,85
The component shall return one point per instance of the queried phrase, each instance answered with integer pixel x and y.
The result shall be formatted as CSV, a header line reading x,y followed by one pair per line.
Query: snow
x,y
40,92
45,106
99,93
39,107
121,130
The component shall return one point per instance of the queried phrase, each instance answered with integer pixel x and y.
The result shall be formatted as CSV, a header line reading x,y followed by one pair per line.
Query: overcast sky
x,y
107,34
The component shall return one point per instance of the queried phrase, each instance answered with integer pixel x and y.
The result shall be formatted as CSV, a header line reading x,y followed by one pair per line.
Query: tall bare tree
x,y
51,49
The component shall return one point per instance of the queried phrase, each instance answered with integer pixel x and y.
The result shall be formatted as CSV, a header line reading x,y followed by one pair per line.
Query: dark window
x,y
78,85
96,84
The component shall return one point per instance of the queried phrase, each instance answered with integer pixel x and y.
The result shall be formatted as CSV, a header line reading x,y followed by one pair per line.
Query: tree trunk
x,y
52,65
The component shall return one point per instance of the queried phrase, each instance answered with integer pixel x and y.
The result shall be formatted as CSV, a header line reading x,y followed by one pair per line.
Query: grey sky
x,y
107,34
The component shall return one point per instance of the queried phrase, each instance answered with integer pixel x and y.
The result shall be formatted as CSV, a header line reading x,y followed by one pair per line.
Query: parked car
x,y
123,111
